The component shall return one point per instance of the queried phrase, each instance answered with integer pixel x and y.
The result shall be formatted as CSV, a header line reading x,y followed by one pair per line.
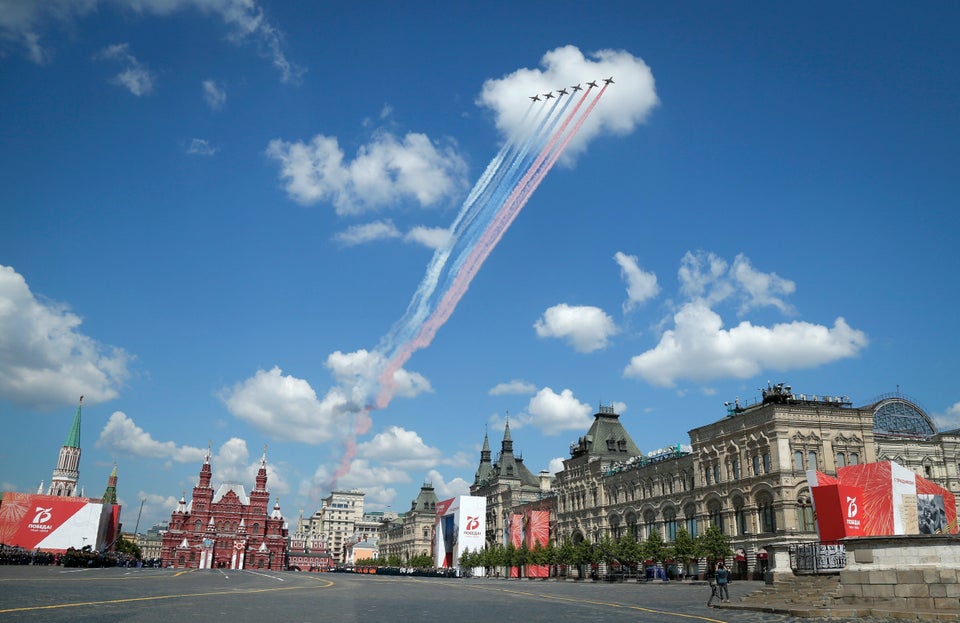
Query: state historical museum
x,y
226,529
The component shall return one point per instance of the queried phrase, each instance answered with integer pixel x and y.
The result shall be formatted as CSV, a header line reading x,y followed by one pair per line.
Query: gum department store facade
x,y
745,473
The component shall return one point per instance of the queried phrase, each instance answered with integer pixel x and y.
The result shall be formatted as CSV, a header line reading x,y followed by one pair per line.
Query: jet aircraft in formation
x,y
562,92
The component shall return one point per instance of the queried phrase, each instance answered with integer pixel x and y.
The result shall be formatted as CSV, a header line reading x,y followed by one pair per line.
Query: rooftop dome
x,y
897,416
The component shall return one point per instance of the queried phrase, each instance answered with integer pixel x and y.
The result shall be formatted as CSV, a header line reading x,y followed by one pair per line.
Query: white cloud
x,y
446,490
121,435
556,465
200,147
384,173
400,448
430,237
368,232
287,408
950,419
761,289
641,285
135,77
45,361
214,94
624,104
361,369
700,349
702,277
361,475
515,386
707,277
586,328
22,22
553,413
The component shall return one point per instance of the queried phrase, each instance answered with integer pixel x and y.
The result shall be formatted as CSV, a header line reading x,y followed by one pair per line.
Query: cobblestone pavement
x,y
54,595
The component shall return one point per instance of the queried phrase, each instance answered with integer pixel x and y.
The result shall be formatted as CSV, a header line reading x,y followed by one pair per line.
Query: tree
x,y
628,550
130,548
566,553
654,548
685,547
714,544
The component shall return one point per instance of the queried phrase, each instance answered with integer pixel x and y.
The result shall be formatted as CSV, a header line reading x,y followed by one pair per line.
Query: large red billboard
x,y
54,523
892,500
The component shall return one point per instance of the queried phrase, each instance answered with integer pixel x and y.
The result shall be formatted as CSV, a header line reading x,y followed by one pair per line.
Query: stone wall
x,y
909,573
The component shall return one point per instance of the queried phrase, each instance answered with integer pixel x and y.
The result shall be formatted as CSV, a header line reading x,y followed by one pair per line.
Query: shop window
x,y
798,460
841,460
812,459
854,458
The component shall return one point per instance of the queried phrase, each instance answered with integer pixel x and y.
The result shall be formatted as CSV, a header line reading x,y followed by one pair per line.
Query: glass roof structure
x,y
899,417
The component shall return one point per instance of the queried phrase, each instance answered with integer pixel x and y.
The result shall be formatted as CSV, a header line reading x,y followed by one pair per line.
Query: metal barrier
x,y
815,558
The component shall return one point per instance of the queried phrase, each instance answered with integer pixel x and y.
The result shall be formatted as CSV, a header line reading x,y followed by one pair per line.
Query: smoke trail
x,y
490,208
481,250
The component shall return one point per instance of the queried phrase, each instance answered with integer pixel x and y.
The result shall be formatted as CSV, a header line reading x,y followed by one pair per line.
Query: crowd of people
x,y
13,555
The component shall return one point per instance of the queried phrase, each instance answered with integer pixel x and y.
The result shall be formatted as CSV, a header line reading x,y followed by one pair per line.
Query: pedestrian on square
x,y
723,580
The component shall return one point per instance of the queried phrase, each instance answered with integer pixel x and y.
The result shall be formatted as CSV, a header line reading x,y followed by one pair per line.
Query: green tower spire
x,y
73,439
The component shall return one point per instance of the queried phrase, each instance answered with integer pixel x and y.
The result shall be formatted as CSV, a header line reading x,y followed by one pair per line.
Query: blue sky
x,y
216,211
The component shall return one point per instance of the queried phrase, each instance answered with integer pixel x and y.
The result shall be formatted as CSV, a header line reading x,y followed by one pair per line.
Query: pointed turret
x,y
110,494
73,438
262,472
276,511
485,469
67,472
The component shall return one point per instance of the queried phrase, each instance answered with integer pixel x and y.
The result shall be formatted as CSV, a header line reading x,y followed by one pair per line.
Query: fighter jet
x,y
577,88
548,95
535,98
592,84
608,80
561,92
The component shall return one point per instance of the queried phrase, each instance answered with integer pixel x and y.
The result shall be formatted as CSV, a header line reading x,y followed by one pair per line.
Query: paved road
x,y
54,594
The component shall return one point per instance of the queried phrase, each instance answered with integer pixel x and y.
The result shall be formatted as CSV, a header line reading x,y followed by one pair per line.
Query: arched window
x,y
690,520
196,526
812,459
649,523
256,528
715,514
670,524
768,518
798,460
841,460
739,516
854,458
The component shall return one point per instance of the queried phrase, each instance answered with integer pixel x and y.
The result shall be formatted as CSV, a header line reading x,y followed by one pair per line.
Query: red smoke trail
x,y
484,247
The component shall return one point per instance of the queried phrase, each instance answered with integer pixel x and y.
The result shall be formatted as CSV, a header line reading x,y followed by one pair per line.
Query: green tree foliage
x,y
567,553
714,544
685,547
628,550
124,546
420,561
654,547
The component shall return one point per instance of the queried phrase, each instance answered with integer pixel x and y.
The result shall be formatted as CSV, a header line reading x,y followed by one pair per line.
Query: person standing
x,y
723,579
